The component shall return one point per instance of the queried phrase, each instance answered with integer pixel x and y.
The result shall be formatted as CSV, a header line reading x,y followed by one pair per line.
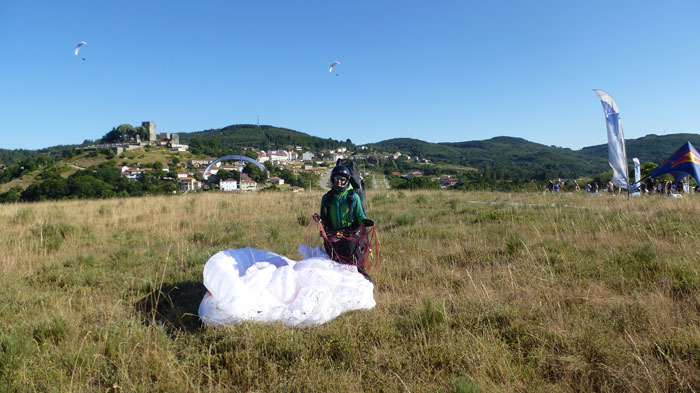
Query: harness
x,y
326,209
351,246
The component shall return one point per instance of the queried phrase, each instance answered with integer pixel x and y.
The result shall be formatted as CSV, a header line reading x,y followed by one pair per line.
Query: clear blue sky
x,y
443,71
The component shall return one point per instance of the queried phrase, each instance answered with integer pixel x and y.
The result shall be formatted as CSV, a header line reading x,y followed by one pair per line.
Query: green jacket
x,y
338,215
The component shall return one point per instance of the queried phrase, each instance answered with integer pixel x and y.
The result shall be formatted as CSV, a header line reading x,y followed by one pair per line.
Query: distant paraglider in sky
x,y
84,59
77,48
335,63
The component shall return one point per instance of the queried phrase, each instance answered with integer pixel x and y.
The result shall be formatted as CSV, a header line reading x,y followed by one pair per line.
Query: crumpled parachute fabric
x,y
248,284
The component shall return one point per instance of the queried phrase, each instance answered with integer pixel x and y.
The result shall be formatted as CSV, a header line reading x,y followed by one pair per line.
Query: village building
x,y
134,173
279,156
190,184
307,156
178,147
276,181
449,182
263,157
197,162
228,185
248,184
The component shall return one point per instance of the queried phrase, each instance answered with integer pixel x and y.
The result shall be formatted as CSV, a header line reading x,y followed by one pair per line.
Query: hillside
x,y
64,167
260,137
503,153
650,148
517,154
506,154
8,157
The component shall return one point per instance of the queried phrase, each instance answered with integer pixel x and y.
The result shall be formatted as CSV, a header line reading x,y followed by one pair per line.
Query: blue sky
x,y
438,71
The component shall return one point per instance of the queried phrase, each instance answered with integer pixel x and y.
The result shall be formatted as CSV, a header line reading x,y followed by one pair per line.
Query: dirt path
x,y
325,180
386,182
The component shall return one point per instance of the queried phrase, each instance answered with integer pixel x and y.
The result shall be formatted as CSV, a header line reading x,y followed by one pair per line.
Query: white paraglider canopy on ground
x,y
248,284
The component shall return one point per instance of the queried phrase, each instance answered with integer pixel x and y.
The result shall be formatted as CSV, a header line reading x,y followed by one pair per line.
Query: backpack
x,y
356,180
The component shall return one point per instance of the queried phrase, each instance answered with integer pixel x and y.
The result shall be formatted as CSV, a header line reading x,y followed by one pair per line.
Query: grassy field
x,y
476,292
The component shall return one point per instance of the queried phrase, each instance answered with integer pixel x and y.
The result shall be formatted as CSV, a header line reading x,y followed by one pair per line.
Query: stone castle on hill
x,y
171,141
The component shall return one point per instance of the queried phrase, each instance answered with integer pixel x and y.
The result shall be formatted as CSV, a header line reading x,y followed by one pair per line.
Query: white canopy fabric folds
x,y
249,284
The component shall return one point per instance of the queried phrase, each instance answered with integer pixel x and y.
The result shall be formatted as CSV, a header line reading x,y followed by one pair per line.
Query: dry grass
x,y
476,292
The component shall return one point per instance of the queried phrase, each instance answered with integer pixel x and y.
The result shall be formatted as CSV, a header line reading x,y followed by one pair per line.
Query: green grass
x,y
533,293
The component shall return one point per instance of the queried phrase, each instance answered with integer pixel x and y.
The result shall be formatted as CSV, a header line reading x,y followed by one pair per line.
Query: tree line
x,y
105,181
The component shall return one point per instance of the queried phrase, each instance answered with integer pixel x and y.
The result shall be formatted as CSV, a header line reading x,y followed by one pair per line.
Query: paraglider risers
x,y
351,246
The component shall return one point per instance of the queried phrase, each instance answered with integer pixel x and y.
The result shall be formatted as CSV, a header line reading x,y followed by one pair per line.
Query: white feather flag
x,y
616,140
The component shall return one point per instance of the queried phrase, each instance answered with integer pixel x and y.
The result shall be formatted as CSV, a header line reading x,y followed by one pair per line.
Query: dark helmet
x,y
340,171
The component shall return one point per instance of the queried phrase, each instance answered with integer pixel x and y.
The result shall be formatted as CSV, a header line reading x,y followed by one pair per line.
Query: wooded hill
x,y
651,148
262,137
508,154
517,154
503,154
499,153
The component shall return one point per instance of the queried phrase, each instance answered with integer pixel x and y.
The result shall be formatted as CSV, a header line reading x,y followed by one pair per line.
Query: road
x,y
325,180
383,181
386,182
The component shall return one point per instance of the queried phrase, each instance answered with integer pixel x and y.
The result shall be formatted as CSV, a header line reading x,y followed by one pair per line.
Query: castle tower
x,y
151,127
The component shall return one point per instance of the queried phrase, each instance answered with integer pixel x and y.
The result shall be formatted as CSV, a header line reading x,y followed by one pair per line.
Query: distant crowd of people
x,y
665,187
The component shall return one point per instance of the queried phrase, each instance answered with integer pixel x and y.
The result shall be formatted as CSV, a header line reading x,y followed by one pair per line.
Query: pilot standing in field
x,y
338,211
342,217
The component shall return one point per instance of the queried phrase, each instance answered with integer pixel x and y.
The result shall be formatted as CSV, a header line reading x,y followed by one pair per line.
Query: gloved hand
x,y
367,222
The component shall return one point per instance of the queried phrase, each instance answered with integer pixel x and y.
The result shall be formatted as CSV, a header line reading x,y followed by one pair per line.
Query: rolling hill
x,y
503,153
262,137
499,153
654,148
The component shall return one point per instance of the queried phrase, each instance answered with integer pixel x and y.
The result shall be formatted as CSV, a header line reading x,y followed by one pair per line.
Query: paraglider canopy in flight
x,y
232,157
77,48
335,63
